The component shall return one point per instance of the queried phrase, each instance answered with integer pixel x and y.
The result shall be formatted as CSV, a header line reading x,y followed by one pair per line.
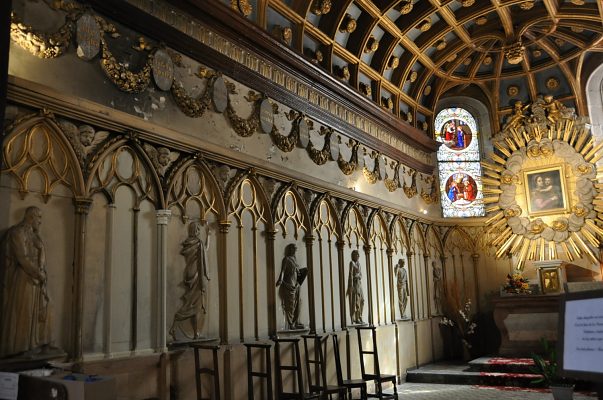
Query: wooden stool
x,y
295,368
318,381
259,374
349,384
376,376
214,372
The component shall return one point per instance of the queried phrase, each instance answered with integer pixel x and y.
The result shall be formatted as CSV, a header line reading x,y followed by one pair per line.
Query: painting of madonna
x,y
545,191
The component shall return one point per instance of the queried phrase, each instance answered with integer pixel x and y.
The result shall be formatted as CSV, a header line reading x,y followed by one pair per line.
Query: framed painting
x,y
546,191
550,279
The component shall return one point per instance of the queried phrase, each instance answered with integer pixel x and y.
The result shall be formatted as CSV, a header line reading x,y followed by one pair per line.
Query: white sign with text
x,y
583,337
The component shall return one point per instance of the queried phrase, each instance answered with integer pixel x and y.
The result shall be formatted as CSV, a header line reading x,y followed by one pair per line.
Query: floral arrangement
x,y
517,284
459,318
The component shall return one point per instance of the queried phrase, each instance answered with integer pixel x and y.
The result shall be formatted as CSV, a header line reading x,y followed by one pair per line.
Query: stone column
x,y
369,279
82,207
107,305
475,257
343,306
163,217
444,281
310,278
222,240
392,294
427,285
413,312
270,264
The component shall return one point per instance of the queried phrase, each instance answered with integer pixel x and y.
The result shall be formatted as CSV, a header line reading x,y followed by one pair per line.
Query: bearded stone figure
x,y
25,318
289,283
437,287
354,290
188,319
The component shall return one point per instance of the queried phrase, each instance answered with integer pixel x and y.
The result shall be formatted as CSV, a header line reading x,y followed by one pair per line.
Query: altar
x,y
523,320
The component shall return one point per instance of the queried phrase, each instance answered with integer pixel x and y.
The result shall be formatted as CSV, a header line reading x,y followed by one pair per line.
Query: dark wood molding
x,y
5,9
223,21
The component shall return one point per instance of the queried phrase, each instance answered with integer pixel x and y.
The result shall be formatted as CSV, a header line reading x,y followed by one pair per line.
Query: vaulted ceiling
x,y
405,56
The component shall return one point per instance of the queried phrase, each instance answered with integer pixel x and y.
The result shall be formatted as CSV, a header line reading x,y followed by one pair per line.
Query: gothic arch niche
x,y
355,237
434,271
193,197
41,170
250,284
459,277
419,278
380,271
120,297
292,225
330,283
400,243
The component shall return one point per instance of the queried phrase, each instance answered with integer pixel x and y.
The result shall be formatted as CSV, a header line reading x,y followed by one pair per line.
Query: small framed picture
x,y
550,279
546,191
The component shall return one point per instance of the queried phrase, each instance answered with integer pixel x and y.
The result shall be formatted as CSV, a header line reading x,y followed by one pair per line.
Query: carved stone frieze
x,y
40,44
84,139
121,76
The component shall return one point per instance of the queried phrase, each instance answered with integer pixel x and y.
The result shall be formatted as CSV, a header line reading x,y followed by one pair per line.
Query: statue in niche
x,y
437,287
25,319
161,157
354,290
194,299
402,284
289,283
83,138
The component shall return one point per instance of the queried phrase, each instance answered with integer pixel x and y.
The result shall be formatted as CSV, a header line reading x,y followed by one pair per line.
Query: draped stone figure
x,y
194,300
437,287
402,285
354,290
25,318
289,283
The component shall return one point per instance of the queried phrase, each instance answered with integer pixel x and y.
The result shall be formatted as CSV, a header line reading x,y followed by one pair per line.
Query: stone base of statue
x,y
358,323
37,358
177,344
299,329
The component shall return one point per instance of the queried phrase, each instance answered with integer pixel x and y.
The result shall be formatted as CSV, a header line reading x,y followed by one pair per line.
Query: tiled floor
x,y
430,391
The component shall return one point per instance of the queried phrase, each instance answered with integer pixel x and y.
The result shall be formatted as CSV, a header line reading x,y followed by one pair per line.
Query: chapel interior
x,y
210,185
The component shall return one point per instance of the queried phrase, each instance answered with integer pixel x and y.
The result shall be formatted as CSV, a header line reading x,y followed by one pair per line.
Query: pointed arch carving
x,y
417,234
106,173
182,188
298,213
457,238
433,234
315,216
403,236
249,177
36,144
360,229
380,218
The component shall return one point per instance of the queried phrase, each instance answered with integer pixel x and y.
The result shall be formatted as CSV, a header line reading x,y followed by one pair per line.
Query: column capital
x,y
475,256
367,248
309,239
82,205
389,252
224,226
341,244
271,234
163,216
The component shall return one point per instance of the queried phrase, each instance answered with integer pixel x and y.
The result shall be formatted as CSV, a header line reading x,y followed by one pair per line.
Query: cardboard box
x,y
87,387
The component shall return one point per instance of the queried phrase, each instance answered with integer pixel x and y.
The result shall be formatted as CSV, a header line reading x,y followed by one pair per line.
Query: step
x,y
502,364
460,374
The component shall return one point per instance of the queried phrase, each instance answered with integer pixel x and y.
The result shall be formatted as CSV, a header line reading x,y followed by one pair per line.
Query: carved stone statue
x,y
194,300
161,157
402,284
354,290
25,318
290,280
437,287
84,138
516,119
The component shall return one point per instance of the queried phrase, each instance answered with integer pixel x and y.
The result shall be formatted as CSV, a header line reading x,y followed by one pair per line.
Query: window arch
x,y
459,163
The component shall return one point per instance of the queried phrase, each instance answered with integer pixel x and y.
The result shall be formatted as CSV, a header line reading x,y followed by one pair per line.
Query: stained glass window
x,y
459,168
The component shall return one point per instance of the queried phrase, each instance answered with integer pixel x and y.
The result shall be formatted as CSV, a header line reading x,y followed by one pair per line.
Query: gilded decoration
x,y
433,195
321,7
323,155
348,167
405,7
242,6
121,76
348,24
410,190
40,44
392,184
287,143
245,127
539,188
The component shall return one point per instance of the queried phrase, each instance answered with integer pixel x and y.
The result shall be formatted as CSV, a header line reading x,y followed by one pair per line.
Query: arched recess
x,y
355,236
400,245
459,271
328,272
594,98
435,275
192,195
381,273
292,226
121,291
251,265
418,273
40,169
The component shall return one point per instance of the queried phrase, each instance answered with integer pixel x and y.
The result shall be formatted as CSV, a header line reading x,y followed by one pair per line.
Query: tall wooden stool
x,y
317,379
376,376
349,384
213,372
265,347
295,369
